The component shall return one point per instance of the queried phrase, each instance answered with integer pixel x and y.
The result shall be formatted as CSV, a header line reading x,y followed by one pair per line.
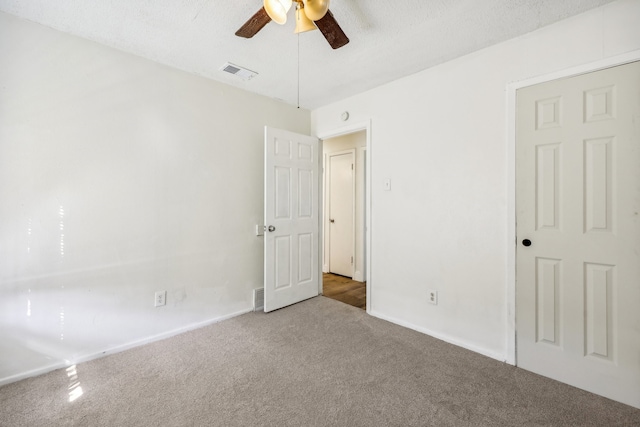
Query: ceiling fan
x,y
310,14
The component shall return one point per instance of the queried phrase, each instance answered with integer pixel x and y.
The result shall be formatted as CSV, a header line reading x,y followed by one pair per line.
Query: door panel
x,y
291,272
578,199
341,213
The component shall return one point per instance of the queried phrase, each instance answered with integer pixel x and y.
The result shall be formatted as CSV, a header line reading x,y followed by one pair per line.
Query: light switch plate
x,y
387,185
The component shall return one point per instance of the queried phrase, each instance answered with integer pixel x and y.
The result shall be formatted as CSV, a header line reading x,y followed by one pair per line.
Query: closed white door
x,y
291,215
578,228
341,213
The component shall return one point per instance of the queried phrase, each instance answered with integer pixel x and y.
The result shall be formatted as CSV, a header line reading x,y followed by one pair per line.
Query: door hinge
x,y
351,166
351,260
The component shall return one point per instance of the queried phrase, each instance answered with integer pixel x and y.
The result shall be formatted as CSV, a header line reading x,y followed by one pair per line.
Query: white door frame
x,y
511,181
344,130
327,207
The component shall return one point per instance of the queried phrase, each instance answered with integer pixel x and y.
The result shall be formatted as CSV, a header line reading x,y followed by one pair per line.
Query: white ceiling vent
x,y
239,71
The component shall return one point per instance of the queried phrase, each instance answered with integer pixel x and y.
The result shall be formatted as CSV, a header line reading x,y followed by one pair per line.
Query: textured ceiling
x,y
389,39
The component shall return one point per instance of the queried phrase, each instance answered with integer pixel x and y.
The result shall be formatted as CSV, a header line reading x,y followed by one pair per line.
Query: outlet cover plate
x,y
432,296
160,298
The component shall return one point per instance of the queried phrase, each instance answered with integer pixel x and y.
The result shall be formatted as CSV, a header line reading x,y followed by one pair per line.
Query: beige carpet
x,y
318,363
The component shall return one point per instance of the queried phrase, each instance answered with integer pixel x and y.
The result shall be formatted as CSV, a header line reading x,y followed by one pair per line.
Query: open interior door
x,y
291,217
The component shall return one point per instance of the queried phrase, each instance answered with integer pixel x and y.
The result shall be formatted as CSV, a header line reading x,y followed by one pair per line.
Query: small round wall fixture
x,y
345,116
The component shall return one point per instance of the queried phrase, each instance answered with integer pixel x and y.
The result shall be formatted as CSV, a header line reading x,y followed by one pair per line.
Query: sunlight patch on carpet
x,y
75,391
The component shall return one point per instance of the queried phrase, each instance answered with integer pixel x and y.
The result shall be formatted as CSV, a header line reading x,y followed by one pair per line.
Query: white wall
x,y
120,177
358,142
441,137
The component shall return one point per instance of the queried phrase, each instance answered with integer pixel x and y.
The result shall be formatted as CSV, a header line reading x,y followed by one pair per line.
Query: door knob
x,y
526,242
271,229
332,220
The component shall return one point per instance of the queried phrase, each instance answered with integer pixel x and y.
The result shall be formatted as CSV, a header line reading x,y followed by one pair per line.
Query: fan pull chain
x,y
298,70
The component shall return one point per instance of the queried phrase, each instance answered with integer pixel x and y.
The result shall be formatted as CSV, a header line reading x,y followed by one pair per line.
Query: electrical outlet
x,y
433,297
161,298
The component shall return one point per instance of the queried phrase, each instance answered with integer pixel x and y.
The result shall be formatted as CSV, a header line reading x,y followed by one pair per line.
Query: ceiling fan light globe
x,y
315,9
277,10
303,23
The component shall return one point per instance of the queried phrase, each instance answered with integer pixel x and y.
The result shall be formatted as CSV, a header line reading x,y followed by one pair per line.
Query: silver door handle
x,y
271,229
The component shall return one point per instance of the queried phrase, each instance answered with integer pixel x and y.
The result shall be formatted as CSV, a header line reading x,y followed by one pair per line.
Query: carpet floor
x,y
317,363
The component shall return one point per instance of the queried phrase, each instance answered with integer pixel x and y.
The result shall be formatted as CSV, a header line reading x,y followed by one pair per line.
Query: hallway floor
x,y
343,289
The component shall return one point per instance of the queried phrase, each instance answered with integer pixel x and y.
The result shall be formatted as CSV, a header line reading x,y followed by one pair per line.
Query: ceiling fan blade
x,y
331,31
254,24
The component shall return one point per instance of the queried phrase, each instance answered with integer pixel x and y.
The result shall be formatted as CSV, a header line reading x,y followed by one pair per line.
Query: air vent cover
x,y
239,71
258,299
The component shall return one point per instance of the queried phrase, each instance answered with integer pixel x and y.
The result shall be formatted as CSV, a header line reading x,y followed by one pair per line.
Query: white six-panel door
x,y
578,204
291,215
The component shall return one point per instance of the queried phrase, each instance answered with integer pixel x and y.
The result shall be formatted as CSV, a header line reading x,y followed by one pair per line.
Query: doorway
x,y
344,230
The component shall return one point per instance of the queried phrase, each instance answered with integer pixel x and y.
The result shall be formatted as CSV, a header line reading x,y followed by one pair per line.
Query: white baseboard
x,y
118,349
33,373
443,337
